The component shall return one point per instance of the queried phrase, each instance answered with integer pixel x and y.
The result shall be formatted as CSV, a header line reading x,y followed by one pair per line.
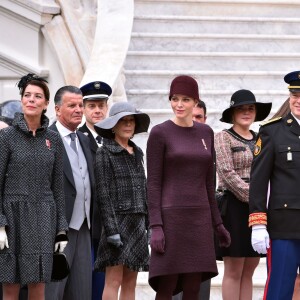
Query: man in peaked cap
x,y
95,96
276,224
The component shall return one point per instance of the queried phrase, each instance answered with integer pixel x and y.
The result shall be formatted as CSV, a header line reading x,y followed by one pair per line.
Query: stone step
x,y
144,291
217,61
214,42
208,80
211,24
255,8
159,99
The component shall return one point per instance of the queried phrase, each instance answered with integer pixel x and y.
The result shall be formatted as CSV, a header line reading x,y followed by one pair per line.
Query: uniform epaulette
x,y
270,121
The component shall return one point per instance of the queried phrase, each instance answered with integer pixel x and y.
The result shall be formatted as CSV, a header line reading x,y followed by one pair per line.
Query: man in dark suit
x,y
274,196
79,193
95,95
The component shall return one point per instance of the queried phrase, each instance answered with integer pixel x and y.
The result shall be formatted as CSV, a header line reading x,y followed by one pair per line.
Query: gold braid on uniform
x,y
257,219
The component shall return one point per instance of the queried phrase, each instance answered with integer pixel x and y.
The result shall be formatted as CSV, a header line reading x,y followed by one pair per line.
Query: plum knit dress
x,y
181,199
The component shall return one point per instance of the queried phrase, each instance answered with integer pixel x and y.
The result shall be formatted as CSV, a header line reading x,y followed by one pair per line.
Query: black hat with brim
x,y
243,97
117,112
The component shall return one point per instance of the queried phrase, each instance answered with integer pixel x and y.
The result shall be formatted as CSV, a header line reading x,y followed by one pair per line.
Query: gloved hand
x,y
61,241
115,240
3,238
223,236
157,240
260,238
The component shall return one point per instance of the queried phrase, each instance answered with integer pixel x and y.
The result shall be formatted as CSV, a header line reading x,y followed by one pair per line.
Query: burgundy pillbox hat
x,y
184,85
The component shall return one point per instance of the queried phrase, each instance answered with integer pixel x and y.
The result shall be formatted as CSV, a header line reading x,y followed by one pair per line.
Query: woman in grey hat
x,y
122,199
234,154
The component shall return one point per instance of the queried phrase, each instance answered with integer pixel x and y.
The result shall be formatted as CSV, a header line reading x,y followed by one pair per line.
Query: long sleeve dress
x,y
181,199
32,206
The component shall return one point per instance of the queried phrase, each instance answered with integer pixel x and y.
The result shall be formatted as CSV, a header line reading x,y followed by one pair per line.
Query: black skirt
x,y
236,222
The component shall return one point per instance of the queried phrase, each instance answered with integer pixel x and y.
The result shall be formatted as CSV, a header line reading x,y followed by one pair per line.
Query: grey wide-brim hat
x,y
117,112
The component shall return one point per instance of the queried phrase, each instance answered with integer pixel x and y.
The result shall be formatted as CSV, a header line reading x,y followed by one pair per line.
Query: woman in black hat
x,y
234,153
122,199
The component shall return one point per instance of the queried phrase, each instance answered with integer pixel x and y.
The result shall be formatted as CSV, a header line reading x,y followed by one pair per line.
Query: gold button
x,y
285,205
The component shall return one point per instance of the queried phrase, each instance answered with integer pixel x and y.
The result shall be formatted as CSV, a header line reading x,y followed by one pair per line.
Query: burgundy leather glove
x,y
223,235
157,241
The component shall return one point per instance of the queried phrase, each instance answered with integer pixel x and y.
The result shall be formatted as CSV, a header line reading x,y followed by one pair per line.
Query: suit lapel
x,y
93,144
66,162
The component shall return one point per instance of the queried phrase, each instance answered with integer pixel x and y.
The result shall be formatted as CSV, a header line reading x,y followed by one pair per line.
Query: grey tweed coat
x,y
31,200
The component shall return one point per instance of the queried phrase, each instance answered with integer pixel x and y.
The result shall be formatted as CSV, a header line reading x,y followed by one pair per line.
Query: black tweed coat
x,y
31,200
122,199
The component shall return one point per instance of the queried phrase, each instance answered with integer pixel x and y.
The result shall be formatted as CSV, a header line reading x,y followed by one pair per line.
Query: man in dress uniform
x,y
95,95
274,196
79,193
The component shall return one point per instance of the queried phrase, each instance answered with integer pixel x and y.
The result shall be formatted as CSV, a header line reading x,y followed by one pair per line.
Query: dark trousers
x,y
204,292
78,285
283,261
98,277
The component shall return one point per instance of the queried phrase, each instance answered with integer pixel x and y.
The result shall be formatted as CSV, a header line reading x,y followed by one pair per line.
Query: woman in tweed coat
x,y
234,148
32,215
121,196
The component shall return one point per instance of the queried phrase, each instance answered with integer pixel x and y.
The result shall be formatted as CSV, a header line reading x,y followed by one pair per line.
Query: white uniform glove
x,y
260,239
61,241
3,238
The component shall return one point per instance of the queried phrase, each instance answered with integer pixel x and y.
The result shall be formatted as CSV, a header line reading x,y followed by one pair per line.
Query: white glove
x,y
3,238
260,239
61,241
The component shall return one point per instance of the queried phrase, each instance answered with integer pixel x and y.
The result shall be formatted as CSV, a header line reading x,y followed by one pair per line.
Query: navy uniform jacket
x,y
93,144
277,160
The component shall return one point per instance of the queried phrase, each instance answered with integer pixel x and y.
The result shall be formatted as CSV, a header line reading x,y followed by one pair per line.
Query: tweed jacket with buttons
x,y
234,158
32,205
120,183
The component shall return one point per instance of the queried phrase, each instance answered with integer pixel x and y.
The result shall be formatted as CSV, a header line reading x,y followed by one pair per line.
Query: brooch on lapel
x,y
86,133
48,144
203,142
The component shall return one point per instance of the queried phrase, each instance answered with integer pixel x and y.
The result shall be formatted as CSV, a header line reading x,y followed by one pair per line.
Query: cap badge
x,y
97,85
231,103
299,75
289,121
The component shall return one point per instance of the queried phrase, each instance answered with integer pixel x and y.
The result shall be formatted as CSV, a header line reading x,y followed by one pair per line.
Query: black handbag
x,y
60,268
221,198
